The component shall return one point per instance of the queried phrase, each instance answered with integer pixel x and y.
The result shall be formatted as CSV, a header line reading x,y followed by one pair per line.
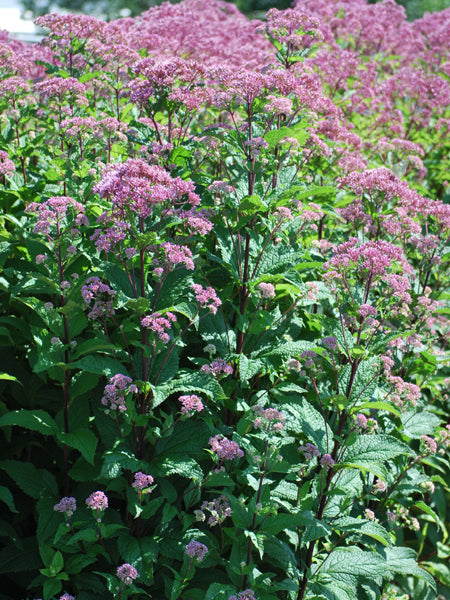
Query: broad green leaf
x,y
350,565
425,508
377,405
7,377
404,562
31,480
415,424
363,527
100,365
83,440
36,420
7,498
369,453
304,420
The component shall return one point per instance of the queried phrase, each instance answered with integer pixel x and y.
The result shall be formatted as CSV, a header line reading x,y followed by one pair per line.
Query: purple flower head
x,y
269,419
138,186
7,166
142,481
326,461
196,550
429,444
190,404
309,451
66,597
127,573
54,212
361,421
366,310
159,324
178,255
379,486
66,505
207,297
99,297
219,509
97,501
331,343
267,290
115,391
245,595
217,367
224,448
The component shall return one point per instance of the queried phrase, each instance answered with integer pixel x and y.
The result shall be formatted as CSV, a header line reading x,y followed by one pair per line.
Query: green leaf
x,y
350,565
314,528
422,506
31,480
7,498
415,424
377,405
36,420
252,204
7,377
363,527
369,453
51,587
304,420
182,466
83,440
403,561
100,365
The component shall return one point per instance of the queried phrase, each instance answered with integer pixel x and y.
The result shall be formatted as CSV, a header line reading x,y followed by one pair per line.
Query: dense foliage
x,y
224,305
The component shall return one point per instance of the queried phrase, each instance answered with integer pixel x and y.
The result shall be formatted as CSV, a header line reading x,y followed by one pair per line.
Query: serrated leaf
x,y
415,424
303,419
369,453
36,420
363,527
403,561
100,365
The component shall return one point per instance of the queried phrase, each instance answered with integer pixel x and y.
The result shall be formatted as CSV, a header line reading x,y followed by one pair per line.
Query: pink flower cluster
x,y
189,404
142,481
7,166
206,297
224,448
116,390
159,324
66,505
217,367
99,297
126,573
219,509
54,211
139,186
97,501
196,550
270,419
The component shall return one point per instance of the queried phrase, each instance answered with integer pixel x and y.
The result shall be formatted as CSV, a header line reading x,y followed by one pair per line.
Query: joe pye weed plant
x,y
224,330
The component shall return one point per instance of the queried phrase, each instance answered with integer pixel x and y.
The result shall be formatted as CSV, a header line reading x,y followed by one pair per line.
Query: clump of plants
x,y
224,293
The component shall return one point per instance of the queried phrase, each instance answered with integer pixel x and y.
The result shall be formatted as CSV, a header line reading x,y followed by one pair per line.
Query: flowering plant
x,y
224,295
